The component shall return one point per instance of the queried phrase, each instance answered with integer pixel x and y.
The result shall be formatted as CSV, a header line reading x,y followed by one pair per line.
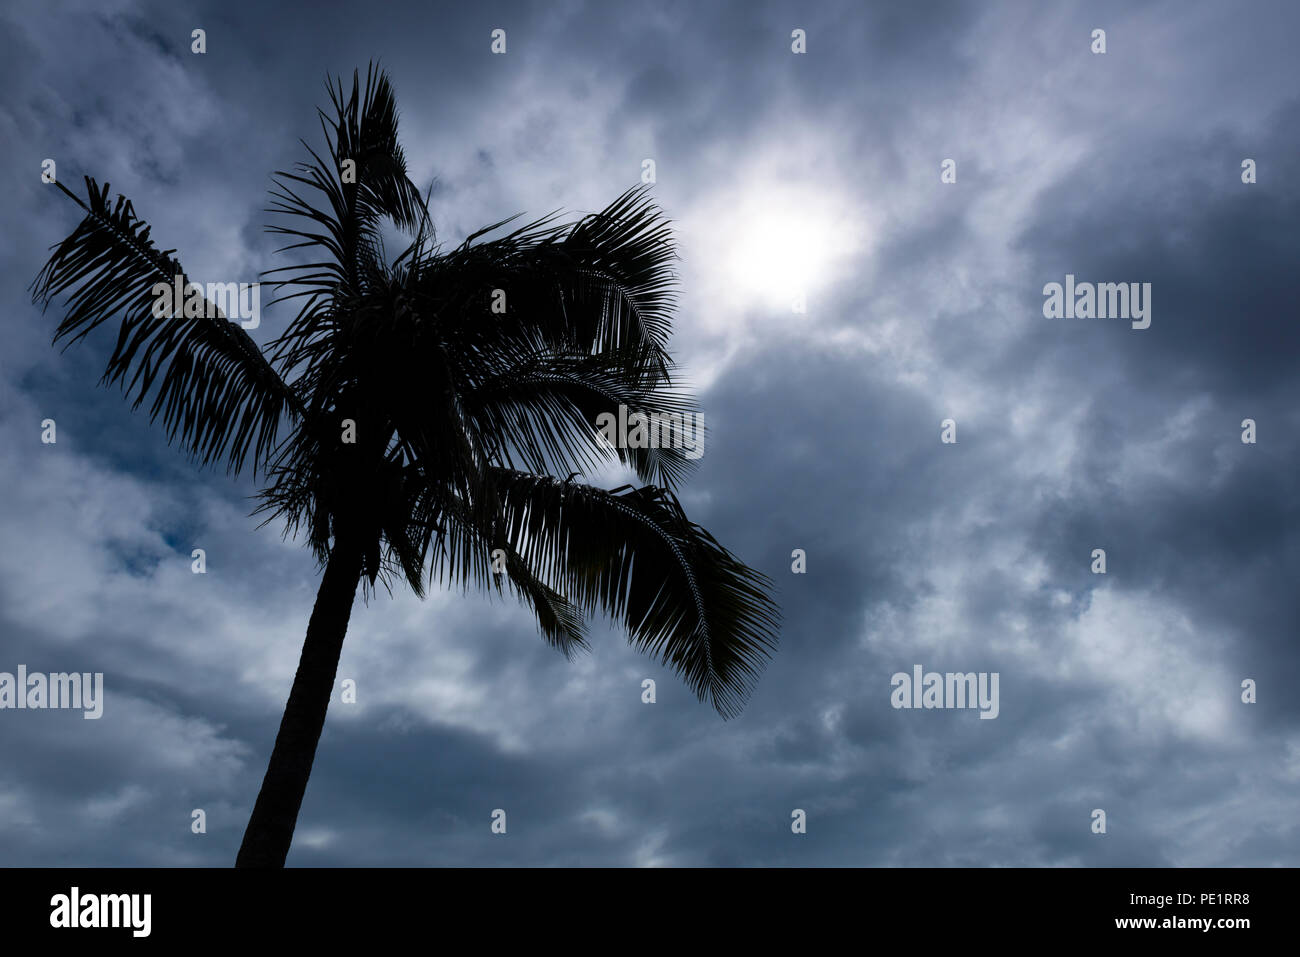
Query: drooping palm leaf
x,y
634,554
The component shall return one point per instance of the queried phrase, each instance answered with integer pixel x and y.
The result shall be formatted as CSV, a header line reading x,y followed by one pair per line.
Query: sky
x,y
817,175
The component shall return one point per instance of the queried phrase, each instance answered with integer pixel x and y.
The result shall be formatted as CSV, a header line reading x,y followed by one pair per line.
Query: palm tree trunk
x,y
270,829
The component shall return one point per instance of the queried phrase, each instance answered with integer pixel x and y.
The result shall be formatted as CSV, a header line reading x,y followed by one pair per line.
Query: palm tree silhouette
x,y
459,416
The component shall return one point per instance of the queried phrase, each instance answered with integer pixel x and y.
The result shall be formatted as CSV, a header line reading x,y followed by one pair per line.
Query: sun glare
x,y
786,246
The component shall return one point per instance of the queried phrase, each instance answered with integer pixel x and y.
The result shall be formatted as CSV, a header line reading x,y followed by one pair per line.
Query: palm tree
x,y
409,430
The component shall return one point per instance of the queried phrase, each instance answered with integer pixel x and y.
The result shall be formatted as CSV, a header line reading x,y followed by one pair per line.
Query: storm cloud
x,y
815,175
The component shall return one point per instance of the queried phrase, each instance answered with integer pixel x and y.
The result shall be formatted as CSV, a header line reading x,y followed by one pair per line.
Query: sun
x,y
779,255
784,244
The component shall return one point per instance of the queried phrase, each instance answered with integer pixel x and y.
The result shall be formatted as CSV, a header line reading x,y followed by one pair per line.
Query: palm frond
x,y
544,410
217,395
340,221
602,284
472,533
634,554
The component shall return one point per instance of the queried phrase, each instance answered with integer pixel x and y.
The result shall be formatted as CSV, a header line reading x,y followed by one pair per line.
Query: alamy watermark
x,y
57,690
75,909
654,430
950,690
1106,300
218,300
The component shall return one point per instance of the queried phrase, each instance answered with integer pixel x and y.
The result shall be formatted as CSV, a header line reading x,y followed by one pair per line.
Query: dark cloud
x,y
1119,692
